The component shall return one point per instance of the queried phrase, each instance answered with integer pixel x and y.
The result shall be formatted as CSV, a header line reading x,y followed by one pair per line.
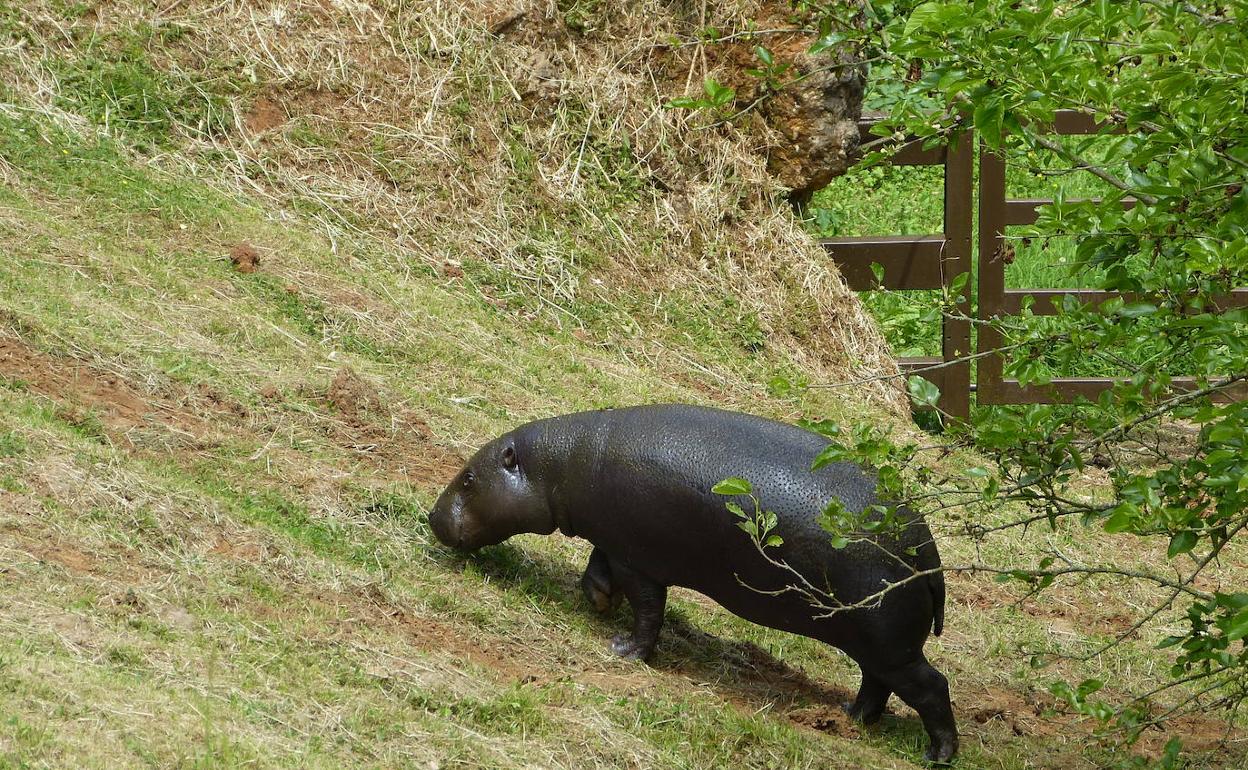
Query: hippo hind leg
x,y
868,707
597,585
926,691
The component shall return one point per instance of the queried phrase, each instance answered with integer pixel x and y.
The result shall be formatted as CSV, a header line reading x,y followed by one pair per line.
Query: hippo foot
x,y
941,750
861,715
627,647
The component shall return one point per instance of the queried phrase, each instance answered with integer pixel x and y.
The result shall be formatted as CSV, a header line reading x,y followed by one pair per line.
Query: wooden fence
x,y
932,261
935,261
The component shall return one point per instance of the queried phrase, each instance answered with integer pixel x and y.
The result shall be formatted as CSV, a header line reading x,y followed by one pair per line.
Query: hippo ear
x,y
509,457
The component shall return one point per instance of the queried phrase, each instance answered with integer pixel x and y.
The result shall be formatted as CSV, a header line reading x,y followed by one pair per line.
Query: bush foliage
x,y
1167,81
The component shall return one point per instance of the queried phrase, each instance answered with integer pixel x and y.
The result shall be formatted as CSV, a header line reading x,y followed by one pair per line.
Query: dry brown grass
x,y
541,157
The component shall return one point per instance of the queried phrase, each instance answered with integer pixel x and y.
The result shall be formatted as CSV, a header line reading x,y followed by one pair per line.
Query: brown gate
x,y
935,261
996,213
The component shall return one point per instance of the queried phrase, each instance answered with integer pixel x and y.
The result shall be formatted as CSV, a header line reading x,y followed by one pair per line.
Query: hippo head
x,y
491,499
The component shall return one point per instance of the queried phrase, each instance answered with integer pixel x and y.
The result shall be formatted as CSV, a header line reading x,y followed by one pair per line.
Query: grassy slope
x,y
204,532
213,543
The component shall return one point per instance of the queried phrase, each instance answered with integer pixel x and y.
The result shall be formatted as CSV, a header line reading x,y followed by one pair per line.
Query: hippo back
x,y
637,482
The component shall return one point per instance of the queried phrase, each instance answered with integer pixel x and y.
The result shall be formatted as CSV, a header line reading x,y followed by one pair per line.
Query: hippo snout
x,y
447,526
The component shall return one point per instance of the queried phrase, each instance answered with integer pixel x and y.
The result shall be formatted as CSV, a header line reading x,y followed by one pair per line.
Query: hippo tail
x,y
929,559
936,584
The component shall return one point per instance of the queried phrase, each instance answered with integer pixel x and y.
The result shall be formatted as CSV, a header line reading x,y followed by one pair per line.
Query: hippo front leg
x,y
868,707
597,585
648,600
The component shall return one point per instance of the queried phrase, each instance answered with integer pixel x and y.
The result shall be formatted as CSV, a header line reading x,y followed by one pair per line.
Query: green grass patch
x,y
12,444
98,170
115,82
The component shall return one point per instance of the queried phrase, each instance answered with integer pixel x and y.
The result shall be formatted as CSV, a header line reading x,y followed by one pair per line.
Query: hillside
x,y
269,272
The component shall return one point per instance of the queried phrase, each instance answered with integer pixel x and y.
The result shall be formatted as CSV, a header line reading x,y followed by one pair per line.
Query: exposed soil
x,y
825,719
1024,715
264,115
238,548
1059,612
85,390
396,441
66,556
353,396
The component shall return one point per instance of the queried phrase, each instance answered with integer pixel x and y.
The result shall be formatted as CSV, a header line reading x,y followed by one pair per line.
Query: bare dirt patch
x,y
1063,610
237,548
264,115
66,556
79,385
90,398
825,719
1023,715
396,442
353,396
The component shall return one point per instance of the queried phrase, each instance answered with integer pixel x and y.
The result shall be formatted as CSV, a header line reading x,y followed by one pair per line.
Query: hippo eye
x,y
509,457
468,478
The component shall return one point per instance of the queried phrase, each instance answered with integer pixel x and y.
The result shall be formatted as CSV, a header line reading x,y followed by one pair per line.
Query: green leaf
x,y
683,103
733,486
830,40
1137,310
922,392
1089,686
1181,543
1226,434
1237,626
922,16
988,115
773,541
1121,518
736,509
718,95
832,453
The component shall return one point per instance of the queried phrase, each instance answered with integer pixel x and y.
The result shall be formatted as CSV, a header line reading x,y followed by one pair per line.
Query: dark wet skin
x,y
637,482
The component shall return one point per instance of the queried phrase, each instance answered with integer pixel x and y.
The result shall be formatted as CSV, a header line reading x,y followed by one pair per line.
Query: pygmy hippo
x,y
637,484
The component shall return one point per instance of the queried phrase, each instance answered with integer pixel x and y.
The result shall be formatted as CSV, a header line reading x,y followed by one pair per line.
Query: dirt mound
x,y
396,442
264,115
825,719
1029,714
354,397
245,258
